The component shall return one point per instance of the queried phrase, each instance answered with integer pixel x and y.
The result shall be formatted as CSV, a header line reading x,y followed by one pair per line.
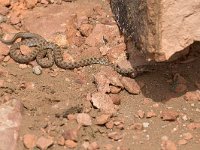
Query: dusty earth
x,y
92,107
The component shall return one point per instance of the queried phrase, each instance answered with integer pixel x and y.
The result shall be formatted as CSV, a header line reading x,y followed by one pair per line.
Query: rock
x,y
193,126
30,3
109,124
102,83
117,52
182,142
130,85
61,141
86,29
168,145
115,136
29,141
2,82
3,10
169,115
114,89
137,126
103,102
159,37
102,119
140,114
93,146
37,70
187,136
4,51
84,119
44,143
5,2
151,114
192,96
71,134
116,99
70,144
23,66
14,19
10,118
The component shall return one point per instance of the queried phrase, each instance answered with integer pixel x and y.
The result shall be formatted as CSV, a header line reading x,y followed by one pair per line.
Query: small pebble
x,y
37,70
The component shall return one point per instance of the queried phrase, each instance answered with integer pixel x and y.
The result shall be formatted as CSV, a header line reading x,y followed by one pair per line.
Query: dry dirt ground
x,y
93,107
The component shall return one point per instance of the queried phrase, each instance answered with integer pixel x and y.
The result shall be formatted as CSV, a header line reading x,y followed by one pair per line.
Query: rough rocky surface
x,y
159,28
91,107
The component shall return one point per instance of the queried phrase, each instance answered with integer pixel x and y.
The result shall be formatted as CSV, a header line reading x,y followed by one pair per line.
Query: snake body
x,y
46,53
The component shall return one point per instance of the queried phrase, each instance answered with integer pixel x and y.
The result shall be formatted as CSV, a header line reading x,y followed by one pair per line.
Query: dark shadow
x,y
160,84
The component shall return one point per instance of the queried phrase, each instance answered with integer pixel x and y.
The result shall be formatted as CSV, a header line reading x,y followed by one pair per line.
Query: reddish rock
x,y
187,136
103,102
3,10
114,89
30,3
14,19
192,96
102,119
4,51
43,143
116,99
102,83
71,117
115,136
140,114
169,115
130,85
10,119
29,141
151,114
5,2
86,29
107,77
137,126
109,124
2,82
84,119
93,146
71,134
108,147
70,144
117,52
182,142
61,141
193,126
168,145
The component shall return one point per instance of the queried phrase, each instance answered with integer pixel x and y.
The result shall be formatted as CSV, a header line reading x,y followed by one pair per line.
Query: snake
x,y
47,53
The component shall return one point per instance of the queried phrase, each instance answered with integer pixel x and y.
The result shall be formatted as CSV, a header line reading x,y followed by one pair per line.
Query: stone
x,y
169,115
102,119
192,96
84,119
29,141
44,143
103,102
168,145
156,34
70,144
130,85
71,134
10,118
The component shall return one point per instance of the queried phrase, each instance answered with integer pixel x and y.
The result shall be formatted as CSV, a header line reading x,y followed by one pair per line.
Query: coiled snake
x,y
54,54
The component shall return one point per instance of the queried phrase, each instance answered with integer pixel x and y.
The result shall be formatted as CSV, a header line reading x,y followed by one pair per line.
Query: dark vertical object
x,y
137,19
